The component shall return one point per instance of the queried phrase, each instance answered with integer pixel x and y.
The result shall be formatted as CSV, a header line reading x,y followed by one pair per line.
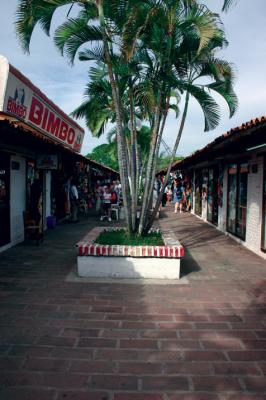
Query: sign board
x,y
47,161
21,99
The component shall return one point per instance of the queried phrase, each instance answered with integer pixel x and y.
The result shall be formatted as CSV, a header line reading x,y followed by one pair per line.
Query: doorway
x,y
212,200
237,199
4,198
198,193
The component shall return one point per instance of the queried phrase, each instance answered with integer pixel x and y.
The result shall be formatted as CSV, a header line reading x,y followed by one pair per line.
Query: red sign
x,y
25,101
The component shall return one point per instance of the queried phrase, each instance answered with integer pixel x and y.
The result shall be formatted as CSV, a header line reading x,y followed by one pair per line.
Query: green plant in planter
x,y
121,237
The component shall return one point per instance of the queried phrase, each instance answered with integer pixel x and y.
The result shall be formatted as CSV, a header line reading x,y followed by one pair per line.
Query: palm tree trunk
x,y
133,162
158,144
181,128
151,189
137,170
148,177
121,145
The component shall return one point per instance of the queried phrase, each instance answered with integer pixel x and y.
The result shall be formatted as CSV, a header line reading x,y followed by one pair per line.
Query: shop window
x,y
198,193
237,199
34,193
30,170
212,198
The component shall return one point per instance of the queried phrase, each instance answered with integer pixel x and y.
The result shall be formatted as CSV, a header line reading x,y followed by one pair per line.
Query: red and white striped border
x,y
87,247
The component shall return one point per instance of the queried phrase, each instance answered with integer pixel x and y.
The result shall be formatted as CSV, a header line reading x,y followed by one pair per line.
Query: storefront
x,y
237,199
212,195
39,146
229,188
198,192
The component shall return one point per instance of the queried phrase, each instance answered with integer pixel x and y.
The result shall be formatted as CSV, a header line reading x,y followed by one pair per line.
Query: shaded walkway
x,y
205,340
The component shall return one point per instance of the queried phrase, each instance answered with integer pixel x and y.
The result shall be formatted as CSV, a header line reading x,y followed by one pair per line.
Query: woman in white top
x,y
107,199
74,200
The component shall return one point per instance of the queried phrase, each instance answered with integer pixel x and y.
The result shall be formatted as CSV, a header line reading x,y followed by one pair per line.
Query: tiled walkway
x,y
203,339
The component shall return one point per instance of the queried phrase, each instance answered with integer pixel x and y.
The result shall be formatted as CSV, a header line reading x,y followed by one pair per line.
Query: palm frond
x,y
89,12
228,94
204,22
228,4
218,69
98,73
94,54
96,118
111,135
144,95
31,12
208,105
72,34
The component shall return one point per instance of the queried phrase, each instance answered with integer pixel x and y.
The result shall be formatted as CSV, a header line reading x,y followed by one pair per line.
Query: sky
x,y
245,26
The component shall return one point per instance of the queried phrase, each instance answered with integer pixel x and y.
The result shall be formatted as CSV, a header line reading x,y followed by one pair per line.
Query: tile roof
x,y
16,124
237,131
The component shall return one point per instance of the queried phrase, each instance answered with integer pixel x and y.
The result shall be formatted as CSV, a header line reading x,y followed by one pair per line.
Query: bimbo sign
x,y
21,99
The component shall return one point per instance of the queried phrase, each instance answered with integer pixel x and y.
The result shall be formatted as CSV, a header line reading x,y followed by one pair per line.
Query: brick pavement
x,y
205,340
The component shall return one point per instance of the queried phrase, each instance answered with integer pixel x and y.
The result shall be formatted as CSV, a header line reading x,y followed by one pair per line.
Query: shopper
x,y
178,195
74,201
188,198
67,202
106,206
98,194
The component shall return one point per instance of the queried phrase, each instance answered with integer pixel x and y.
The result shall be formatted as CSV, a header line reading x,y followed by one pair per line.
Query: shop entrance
x,y
237,199
212,210
198,193
4,198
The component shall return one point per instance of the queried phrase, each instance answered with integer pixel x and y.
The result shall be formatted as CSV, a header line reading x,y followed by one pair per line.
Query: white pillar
x,y
48,180
254,204
17,198
223,208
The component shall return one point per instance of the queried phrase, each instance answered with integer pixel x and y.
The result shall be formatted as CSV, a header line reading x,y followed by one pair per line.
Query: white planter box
x,y
154,262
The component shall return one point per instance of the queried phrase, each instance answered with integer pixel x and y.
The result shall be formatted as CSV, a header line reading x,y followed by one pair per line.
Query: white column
x,y
223,209
48,180
17,198
254,204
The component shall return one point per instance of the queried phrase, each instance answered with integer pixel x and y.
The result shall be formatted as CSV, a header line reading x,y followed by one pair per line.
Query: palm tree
x,y
106,154
202,66
98,110
184,39
140,47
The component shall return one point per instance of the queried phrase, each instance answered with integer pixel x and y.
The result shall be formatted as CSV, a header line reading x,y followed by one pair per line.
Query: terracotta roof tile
x,y
246,125
238,129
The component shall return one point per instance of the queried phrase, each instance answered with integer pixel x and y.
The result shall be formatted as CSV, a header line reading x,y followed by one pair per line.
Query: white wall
x,y
17,199
254,205
222,211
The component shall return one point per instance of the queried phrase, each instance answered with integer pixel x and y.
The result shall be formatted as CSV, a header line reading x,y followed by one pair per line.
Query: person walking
x,y
188,198
74,201
107,199
67,202
178,195
98,194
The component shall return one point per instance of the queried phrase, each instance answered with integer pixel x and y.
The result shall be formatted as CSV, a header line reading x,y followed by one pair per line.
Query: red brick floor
x,y
203,339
